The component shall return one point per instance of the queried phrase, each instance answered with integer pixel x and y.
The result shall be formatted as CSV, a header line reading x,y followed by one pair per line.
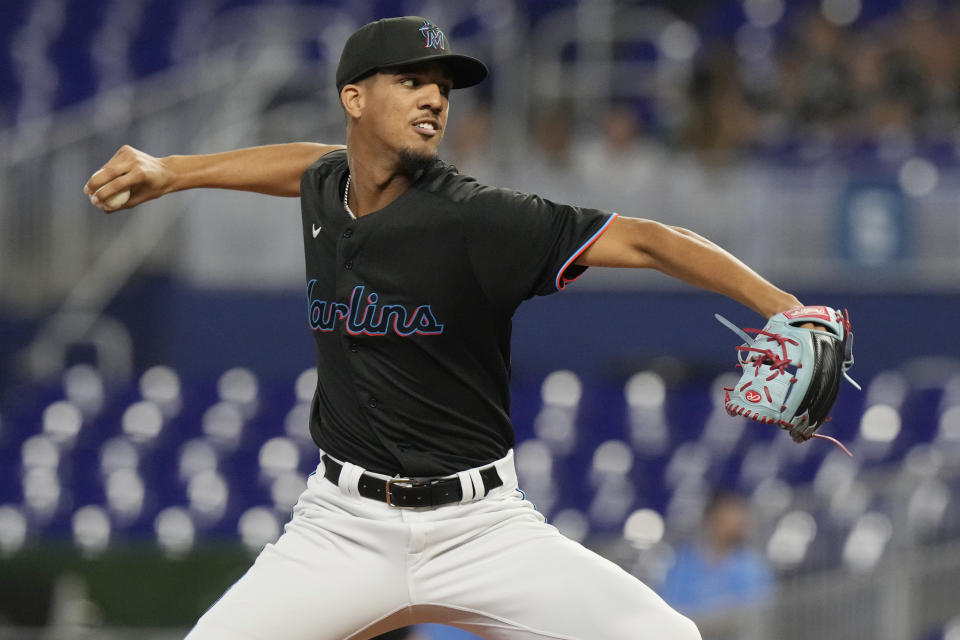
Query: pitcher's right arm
x,y
272,170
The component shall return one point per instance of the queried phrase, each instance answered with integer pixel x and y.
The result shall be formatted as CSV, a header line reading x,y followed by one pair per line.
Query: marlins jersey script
x,y
411,308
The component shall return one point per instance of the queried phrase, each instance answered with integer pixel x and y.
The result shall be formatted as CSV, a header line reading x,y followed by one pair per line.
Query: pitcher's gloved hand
x,y
791,373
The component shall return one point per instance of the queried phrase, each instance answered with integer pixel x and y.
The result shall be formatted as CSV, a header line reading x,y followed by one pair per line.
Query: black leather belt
x,y
410,492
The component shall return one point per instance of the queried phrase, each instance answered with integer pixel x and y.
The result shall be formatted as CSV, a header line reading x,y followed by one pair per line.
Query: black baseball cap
x,y
394,42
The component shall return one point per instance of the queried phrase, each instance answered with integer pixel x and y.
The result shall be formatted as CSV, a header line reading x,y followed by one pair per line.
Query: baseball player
x,y
413,272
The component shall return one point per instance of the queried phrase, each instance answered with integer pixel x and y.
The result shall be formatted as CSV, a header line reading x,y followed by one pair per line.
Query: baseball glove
x,y
791,375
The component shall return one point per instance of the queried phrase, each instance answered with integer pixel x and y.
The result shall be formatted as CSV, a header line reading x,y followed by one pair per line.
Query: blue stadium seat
x,y
175,530
13,528
200,457
91,529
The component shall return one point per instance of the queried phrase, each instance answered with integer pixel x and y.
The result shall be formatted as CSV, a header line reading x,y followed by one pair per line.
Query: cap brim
x,y
464,70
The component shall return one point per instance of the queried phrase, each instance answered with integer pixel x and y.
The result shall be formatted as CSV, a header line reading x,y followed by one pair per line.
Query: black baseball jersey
x,y
411,306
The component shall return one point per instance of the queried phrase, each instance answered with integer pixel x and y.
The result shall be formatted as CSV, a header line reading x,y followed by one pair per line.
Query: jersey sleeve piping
x,y
562,280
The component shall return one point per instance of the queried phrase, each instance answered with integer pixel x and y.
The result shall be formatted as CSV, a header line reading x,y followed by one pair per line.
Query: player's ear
x,y
351,97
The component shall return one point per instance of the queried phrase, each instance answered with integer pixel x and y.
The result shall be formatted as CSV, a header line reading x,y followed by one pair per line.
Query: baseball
x,y
117,200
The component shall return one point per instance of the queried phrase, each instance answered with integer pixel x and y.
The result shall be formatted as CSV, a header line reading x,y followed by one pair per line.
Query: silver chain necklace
x,y
346,193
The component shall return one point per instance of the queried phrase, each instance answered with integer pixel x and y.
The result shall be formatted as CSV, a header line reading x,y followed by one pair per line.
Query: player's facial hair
x,y
413,164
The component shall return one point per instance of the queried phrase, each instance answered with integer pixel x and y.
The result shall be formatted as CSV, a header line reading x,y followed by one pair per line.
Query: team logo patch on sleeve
x,y
433,35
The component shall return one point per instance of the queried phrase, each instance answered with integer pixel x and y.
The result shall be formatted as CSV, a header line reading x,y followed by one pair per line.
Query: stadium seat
x,y
612,460
161,386
126,493
208,495
175,530
84,387
535,471
645,395
789,544
196,456
612,501
572,523
285,490
142,422
644,528
240,387
223,425
278,456
62,421
257,527
865,544
13,529
179,464
91,529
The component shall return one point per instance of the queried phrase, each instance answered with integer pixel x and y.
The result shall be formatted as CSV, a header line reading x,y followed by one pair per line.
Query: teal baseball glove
x,y
791,374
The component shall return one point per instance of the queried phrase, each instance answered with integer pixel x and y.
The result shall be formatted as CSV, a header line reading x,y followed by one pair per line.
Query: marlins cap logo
x,y
433,35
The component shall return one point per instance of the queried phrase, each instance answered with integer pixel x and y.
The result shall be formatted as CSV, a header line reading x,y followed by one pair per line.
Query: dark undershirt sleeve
x,y
523,245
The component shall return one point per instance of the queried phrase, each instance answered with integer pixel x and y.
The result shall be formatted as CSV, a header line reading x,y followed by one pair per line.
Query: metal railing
x,y
909,595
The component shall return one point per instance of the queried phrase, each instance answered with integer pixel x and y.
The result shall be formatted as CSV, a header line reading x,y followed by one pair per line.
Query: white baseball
x,y
117,200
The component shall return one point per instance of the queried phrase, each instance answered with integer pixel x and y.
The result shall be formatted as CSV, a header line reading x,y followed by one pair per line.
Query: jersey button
x,y
372,403
348,265
348,233
354,347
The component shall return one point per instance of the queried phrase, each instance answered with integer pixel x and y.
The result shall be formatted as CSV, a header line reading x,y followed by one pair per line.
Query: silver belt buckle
x,y
412,483
389,495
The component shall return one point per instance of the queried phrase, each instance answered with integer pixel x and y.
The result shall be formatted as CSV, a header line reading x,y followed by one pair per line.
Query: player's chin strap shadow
x,y
750,342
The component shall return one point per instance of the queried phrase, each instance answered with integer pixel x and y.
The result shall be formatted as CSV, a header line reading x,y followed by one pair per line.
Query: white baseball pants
x,y
350,568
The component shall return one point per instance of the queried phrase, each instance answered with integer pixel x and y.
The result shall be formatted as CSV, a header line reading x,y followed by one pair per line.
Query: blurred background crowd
x,y
763,73
155,365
